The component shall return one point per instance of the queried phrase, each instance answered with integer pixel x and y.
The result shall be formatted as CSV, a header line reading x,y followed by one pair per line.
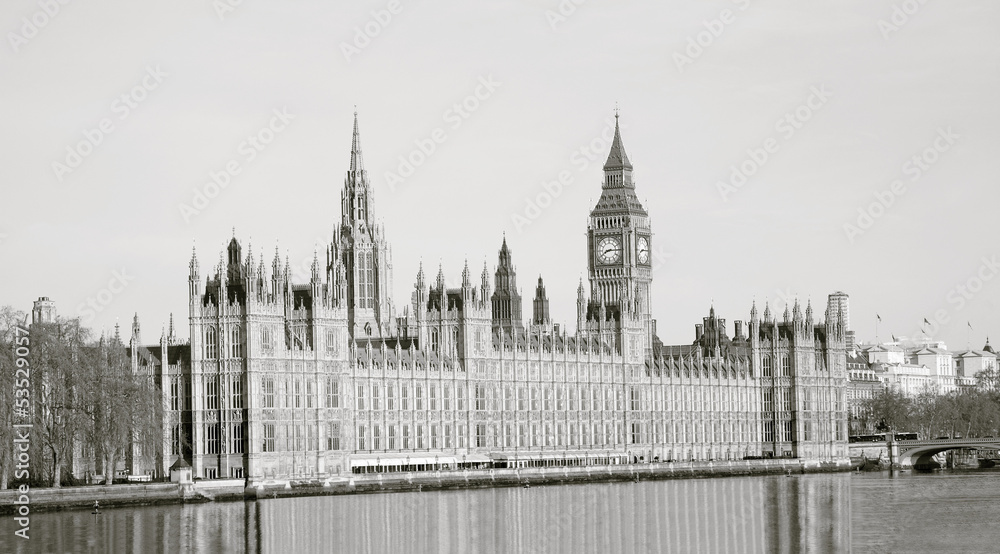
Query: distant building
x,y
970,363
928,366
841,302
864,383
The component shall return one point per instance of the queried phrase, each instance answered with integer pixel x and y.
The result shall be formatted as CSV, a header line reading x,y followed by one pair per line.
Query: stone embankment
x,y
236,489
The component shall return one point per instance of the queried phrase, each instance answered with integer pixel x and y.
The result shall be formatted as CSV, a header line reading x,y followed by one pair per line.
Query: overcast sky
x,y
822,104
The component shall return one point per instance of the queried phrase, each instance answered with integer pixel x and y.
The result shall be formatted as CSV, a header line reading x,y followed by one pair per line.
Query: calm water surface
x,y
874,512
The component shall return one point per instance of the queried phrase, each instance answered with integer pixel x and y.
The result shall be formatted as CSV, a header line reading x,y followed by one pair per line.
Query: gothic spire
x,y
356,161
617,158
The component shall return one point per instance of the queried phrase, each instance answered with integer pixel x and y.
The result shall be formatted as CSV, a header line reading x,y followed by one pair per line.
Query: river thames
x,y
945,511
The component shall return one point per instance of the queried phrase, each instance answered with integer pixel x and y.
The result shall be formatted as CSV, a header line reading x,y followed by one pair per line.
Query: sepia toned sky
x,y
783,149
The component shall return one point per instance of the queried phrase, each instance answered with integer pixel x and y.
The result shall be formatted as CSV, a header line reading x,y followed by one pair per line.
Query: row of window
x,y
299,438
572,397
534,435
212,441
214,390
236,347
511,435
293,393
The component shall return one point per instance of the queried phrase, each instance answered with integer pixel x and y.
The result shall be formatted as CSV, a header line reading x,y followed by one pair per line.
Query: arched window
x,y
211,343
236,343
435,340
786,368
265,339
765,363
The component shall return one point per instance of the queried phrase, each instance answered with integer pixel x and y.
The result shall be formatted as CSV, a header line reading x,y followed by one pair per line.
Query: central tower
x,y
360,247
619,242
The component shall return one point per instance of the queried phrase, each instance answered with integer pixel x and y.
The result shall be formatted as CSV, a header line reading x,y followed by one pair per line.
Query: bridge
x,y
906,454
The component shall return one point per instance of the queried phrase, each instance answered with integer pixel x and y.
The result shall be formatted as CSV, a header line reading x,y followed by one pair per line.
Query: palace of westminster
x,y
284,380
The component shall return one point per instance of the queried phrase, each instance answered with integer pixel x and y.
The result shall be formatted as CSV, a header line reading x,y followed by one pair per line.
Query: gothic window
x,y
211,344
268,445
265,339
366,281
331,341
237,439
268,386
175,440
785,366
211,393
212,438
765,363
435,340
237,394
175,396
236,344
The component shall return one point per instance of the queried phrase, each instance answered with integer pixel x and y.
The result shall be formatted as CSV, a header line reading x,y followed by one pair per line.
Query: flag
x,y
969,323
878,317
894,339
926,322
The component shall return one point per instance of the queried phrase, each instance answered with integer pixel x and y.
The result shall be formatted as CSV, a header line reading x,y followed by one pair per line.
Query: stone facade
x,y
312,380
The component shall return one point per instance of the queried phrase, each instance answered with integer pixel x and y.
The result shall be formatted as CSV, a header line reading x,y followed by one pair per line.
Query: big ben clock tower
x,y
619,240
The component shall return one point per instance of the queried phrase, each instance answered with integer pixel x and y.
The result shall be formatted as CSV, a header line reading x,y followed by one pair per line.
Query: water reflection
x,y
760,514
751,514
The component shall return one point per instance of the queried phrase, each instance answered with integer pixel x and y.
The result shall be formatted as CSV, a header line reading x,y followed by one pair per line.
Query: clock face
x,y
642,248
609,250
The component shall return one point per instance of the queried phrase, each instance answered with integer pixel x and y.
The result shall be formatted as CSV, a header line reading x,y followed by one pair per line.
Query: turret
x,y
541,305
484,287
194,278
468,292
136,336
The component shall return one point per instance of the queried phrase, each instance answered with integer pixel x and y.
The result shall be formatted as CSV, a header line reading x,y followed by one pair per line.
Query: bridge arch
x,y
913,453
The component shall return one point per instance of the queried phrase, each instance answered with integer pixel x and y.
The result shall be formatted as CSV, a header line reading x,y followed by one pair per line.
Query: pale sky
x,y
872,90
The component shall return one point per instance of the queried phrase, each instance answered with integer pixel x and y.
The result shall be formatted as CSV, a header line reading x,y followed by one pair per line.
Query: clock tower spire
x,y
619,239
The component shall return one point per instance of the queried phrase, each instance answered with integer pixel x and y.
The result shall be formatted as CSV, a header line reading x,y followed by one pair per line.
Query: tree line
x,y
965,412
87,407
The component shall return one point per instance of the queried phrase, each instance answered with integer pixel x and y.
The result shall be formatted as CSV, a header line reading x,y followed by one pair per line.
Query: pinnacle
x,y
617,158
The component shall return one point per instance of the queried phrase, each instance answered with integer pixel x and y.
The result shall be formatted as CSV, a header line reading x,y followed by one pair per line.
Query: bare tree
x,y
58,368
123,407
